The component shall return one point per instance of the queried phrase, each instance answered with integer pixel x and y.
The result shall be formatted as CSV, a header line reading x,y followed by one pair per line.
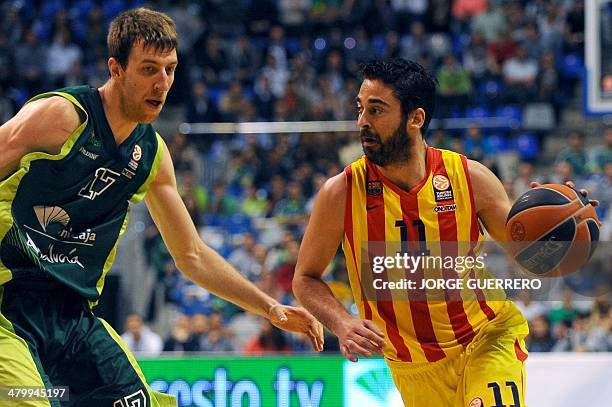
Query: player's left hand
x,y
571,184
299,320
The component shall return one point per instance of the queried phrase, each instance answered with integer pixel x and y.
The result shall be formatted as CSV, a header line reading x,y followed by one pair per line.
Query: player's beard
x,y
395,150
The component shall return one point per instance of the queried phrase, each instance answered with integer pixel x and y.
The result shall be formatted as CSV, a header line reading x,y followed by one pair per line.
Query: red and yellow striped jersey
x,y
440,208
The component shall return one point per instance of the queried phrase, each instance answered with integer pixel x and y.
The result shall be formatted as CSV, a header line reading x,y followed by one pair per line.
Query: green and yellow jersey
x,y
61,215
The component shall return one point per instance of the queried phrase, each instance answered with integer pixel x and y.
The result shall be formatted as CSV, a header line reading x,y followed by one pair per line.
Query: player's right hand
x,y
360,337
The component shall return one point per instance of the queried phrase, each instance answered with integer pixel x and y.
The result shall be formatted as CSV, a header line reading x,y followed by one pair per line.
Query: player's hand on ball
x,y
360,337
583,192
299,320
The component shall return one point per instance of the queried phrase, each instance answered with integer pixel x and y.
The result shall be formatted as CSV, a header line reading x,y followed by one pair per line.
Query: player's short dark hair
x,y
151,28
411,83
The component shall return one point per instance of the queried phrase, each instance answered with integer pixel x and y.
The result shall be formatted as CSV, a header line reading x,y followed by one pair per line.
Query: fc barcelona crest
x,y
374,187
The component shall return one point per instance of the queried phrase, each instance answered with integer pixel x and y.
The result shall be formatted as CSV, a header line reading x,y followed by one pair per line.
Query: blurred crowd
x,y
284,60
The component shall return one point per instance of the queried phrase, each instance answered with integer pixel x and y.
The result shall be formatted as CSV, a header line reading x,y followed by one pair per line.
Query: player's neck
x,y
121,126
409,174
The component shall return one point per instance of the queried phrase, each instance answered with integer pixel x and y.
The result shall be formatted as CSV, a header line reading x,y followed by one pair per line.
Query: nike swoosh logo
x,y
369,208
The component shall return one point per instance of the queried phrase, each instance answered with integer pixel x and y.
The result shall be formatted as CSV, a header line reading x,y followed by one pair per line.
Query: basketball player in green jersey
x,y
72,161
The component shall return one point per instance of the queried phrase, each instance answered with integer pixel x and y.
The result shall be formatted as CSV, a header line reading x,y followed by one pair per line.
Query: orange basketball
x,y
553,230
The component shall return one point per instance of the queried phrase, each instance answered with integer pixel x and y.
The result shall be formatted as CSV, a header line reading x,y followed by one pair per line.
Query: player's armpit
x,y
42,125
491,201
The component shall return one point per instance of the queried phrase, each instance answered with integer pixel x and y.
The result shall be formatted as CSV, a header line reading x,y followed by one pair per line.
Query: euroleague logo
x,y
137,153
441,183
442,188
477,402
517,231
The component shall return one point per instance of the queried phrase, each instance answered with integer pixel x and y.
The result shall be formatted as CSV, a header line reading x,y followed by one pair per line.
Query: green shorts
x,y
50,337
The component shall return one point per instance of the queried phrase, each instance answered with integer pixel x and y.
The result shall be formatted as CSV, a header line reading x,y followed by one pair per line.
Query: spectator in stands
x,y
253,204
231,102
269,340
139,338
276,190
529,308
189,188
243,257
540,338
439,139
573,36
200,325
416,44
211,57
277,48
191,298
526,174
291,210
464,10
455,85
548,83
185,156
217,340
260,16
200,107
551,27
475,57
180,339
475,146
532,42
600,184
276,74
6,107
563,173
567,312
264,98
221,203
574,153
600,155
520,74
284,272
492,22
61,56
30,57
293,15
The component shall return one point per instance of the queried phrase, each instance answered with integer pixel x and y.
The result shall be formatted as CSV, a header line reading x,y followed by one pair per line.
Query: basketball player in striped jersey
x,y
446,352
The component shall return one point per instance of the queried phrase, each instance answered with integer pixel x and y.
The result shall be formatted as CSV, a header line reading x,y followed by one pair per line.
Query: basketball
x,y
553,230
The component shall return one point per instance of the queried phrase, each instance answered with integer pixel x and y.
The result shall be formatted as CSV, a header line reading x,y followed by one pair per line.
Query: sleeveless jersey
x,y
61,215
380,218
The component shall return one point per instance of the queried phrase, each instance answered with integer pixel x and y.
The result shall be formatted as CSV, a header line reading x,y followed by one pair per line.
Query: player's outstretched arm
x,y
321,240
43,125
207,268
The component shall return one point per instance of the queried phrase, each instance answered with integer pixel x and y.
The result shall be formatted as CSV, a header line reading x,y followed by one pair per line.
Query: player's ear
x,y
114,68
416,119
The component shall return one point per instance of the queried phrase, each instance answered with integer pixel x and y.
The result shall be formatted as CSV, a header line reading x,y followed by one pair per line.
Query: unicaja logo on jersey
x,y
51,214
54,215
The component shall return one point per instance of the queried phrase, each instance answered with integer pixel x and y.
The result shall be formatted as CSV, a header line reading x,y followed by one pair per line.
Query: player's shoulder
x,y
480,173
44,124
334,189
